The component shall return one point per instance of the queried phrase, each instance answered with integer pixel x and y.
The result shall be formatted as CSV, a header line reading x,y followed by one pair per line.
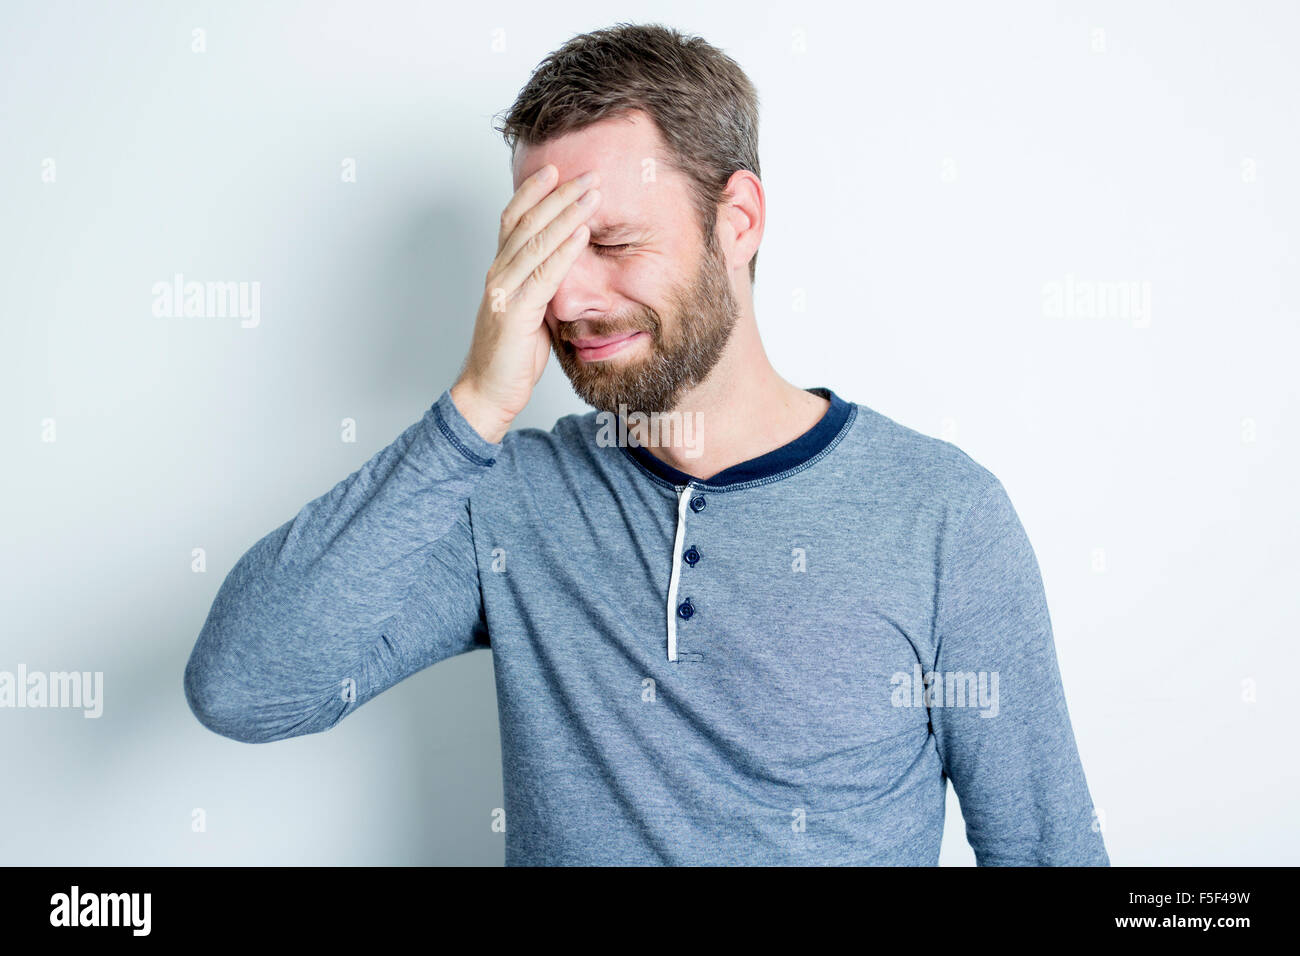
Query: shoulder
x,y
569,433
539,458
939,491
921,470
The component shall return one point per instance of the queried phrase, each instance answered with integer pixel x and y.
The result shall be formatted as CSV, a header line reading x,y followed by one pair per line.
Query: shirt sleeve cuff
x,y
446,423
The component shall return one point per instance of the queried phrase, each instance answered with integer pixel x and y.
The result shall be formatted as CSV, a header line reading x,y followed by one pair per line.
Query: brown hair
x,y
700,100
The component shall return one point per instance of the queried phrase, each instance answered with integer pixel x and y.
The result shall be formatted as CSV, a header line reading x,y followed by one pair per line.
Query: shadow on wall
x,y
422,299
411,778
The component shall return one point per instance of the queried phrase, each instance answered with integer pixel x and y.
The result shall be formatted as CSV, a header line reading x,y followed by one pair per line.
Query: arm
x,y
368,584
377,579
1016,772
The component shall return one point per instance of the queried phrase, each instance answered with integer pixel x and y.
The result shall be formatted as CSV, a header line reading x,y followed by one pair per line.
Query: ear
x,y
741,215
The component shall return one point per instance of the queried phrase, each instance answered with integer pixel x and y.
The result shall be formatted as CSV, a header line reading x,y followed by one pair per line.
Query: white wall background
x,y
930,169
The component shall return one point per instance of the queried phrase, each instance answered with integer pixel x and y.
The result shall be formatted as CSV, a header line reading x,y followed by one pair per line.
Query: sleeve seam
x,y
958,528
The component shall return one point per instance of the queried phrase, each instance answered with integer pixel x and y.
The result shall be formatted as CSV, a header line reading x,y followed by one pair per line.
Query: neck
x,y
744,409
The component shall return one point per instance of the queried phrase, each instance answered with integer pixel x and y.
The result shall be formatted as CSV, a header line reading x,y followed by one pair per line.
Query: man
x,y
732,620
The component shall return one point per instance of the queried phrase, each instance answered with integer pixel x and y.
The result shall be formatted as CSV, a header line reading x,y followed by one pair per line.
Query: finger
x,y
544,281
535,219
526,196
542,245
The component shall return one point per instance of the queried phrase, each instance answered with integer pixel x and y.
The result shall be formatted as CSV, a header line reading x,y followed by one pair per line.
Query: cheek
x,y
653,278
642,279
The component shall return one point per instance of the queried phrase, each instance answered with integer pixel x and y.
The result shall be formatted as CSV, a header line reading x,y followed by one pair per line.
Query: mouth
x,y
593,350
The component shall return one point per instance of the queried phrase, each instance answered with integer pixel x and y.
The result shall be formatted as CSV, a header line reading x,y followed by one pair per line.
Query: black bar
x,y
943,906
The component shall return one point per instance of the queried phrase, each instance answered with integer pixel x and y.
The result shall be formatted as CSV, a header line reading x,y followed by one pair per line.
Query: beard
x,y
683,351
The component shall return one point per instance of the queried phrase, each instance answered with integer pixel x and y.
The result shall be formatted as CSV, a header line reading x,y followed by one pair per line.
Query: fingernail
x,y
586,179
589,197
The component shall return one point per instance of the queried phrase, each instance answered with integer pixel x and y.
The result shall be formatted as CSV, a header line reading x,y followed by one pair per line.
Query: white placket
x,y
683,497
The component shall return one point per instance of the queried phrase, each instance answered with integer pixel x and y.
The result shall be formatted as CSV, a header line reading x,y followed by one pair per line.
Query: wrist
x,y
490,424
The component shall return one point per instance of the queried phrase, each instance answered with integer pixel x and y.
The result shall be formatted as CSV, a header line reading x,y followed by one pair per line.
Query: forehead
x,y
625,151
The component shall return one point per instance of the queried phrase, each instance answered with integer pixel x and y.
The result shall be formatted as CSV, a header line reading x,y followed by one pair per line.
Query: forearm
x,y
307,625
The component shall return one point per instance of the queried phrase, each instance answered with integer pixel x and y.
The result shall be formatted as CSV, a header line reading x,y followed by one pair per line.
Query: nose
x,y
581,293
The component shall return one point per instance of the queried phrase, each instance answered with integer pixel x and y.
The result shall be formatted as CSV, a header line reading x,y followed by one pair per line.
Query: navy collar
x,y
807,446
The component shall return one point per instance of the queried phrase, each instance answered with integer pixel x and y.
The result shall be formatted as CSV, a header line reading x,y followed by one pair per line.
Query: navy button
x,y
686,608
697,503
692,556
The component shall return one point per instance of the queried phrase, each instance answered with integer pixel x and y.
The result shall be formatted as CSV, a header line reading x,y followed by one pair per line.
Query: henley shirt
x,y
782,664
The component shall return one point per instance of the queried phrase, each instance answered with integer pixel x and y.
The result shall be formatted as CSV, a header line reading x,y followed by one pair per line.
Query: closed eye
x,y
609,250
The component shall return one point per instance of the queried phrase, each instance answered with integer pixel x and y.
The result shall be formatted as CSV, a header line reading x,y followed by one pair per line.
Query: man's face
x,y
646,310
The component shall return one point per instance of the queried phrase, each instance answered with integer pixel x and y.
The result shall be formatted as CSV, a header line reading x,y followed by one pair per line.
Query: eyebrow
x,y
615,230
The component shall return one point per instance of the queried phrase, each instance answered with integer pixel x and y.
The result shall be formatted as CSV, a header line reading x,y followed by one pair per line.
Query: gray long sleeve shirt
x,y
780,665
